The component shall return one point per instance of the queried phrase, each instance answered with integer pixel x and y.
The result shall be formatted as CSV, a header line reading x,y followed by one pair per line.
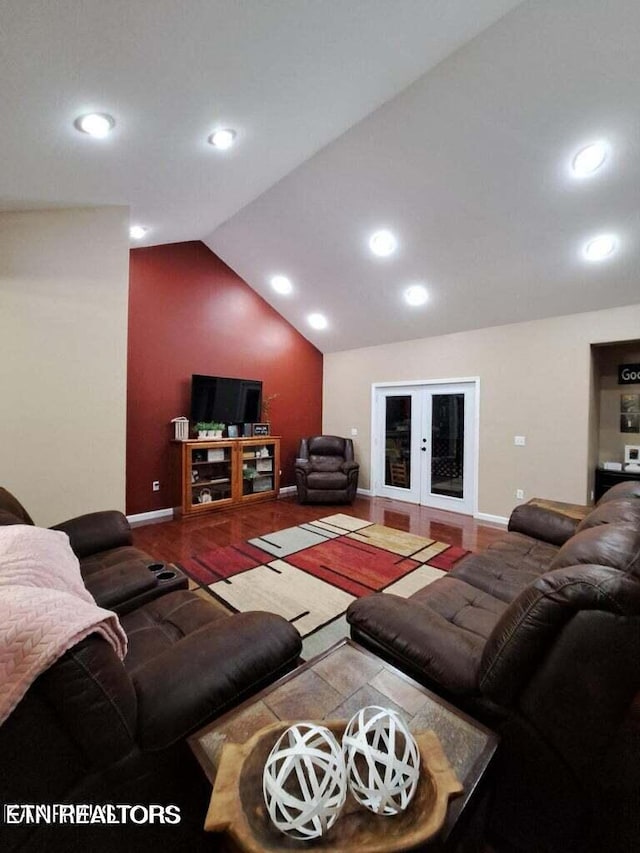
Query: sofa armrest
x,y
208,671
542,523
417,638
96,531
303,465
114,585
347,467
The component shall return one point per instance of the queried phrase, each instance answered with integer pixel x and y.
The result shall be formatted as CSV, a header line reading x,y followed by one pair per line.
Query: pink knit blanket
x,y
45,608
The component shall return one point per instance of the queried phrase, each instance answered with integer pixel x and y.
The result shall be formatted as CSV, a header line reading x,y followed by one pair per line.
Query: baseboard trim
x,y
291,490
494,519
156,514
153,515
287,490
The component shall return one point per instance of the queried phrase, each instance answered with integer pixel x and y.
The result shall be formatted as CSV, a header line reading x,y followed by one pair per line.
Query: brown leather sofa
x,y
119,576
539,637
326,471
93,729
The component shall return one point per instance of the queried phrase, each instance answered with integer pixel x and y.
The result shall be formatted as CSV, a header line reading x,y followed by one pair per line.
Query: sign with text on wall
x,y
628,374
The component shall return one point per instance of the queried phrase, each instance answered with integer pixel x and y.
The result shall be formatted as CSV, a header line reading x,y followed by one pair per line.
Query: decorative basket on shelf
x,y
181,428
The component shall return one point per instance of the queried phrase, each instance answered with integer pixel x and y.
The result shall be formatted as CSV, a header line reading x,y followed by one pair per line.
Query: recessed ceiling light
x,y
601,247
589,159
281,284
416,294
137,232
383,243
97,125
317,321
223,139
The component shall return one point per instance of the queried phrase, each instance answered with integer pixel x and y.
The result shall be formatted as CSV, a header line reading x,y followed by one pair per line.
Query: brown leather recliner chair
x,y
118,575
326,471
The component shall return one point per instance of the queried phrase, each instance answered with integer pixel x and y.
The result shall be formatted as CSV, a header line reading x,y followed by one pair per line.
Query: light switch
x,y
519,440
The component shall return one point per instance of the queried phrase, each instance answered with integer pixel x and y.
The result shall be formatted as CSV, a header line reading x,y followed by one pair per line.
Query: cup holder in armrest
x,y
156,567
166,576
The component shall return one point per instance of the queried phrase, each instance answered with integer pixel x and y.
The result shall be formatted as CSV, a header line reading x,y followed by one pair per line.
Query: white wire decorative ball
x,y
305,781
382,760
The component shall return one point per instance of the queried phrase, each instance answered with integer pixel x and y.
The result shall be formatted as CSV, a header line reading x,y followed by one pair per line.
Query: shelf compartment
x,y
216,473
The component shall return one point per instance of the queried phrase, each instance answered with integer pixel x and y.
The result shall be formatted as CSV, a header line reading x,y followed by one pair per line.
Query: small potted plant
x,y
209,429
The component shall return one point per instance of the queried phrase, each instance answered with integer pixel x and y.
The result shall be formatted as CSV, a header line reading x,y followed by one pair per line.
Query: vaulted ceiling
x,y
452,124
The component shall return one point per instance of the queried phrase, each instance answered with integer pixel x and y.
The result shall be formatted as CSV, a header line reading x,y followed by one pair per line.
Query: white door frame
x,y
377,475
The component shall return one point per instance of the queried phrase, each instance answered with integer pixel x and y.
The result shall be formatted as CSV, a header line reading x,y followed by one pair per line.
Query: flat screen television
x,y
223,400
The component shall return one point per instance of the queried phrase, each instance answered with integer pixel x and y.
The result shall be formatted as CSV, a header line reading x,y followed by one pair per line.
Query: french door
x,y
425,444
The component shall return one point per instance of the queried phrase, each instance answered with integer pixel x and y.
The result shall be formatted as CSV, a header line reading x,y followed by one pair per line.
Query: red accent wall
x,y
190,313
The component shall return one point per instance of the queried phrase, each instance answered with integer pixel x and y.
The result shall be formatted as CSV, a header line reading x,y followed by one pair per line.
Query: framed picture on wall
x,y
629,422
630,403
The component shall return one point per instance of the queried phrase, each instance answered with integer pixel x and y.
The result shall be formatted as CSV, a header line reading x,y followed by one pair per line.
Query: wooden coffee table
x,y
335,685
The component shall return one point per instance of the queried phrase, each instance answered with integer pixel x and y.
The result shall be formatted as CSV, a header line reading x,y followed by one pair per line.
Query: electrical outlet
x,y
354,430
519,440
156,485
519,494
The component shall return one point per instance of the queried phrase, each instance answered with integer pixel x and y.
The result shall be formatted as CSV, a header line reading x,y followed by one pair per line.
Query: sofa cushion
x,y
507,566
461,604
216,658
440,631
615,545
326,463
158,625
630,489
622,511
127,555
327,480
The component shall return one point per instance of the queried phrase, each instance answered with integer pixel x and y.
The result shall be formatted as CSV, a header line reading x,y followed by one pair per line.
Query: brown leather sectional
x,y
95,729
539,636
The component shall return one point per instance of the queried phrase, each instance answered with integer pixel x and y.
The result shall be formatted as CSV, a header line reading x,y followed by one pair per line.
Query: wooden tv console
x,y
215,474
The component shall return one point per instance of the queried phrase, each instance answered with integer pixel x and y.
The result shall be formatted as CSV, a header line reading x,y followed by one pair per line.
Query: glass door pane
x,y
397,454
210,474
258,470
447,445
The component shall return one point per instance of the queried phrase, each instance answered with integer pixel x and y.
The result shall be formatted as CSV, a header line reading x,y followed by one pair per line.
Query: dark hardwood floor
x,y
179,539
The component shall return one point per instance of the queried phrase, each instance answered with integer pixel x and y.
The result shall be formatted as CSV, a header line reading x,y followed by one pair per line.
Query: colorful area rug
x,y
312,572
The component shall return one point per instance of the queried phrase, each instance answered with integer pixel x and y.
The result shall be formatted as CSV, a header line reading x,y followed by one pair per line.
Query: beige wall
x,y
63,333
611,439
535,380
